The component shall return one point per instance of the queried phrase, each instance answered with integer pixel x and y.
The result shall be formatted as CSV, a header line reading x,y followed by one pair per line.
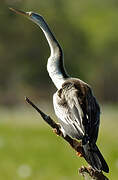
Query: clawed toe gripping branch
x,y
88,173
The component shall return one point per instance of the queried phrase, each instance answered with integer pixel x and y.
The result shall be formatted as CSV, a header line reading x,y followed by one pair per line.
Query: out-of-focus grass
x,y
29,149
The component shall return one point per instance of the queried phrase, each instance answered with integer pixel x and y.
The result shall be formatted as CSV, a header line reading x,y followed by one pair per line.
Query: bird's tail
x,y
94,157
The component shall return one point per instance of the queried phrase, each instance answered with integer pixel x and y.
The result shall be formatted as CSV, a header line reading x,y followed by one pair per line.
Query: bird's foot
x,y
79,154
56,131
78,147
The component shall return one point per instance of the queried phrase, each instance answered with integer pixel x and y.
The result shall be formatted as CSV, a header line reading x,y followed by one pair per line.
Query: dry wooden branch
x,y
90,174
75,144
87,173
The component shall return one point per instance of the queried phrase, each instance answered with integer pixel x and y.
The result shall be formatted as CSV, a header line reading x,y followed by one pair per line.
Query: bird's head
x,y
30,15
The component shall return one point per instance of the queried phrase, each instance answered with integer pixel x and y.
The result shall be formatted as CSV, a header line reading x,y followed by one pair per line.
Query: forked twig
x,y
87,173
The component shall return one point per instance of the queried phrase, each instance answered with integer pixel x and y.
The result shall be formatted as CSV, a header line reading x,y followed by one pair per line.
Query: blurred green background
x,y
88,34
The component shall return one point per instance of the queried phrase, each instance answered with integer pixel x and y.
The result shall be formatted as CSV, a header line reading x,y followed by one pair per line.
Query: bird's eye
x,y
29,13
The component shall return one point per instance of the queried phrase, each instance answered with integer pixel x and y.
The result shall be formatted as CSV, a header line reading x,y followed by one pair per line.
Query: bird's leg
x,y
78,146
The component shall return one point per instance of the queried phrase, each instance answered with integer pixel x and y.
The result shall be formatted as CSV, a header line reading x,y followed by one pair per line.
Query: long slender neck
x,y
55,65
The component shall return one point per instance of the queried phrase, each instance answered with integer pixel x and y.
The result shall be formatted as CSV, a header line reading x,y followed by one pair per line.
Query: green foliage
x,y
87,31
30,150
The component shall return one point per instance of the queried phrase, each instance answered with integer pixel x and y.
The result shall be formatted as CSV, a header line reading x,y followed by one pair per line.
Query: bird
x,y
75,105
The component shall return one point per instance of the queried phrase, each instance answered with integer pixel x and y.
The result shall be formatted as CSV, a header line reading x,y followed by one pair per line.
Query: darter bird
x,y
74,103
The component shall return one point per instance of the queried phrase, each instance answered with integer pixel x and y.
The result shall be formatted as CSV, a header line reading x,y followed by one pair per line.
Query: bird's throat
x,y
57,71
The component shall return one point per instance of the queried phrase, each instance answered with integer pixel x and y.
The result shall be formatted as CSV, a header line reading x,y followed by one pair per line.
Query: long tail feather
x,y
94,157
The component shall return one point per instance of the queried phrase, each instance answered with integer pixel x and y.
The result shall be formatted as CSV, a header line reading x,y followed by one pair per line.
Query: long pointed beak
x,y
28,14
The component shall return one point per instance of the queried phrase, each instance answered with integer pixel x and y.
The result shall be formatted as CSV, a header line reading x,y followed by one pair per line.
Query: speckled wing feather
x,y
69,112
80,112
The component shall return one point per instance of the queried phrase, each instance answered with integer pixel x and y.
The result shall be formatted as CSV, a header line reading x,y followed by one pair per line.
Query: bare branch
x,y
87,173
46,118
75,144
